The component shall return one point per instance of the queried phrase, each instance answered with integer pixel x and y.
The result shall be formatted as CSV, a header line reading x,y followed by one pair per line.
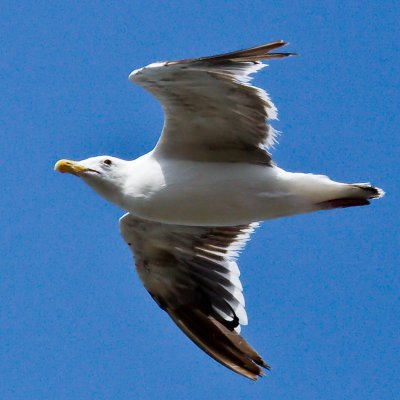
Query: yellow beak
x,y
69,166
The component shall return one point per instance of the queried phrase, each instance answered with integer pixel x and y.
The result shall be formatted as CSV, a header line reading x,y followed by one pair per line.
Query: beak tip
x,y
58,166
65,166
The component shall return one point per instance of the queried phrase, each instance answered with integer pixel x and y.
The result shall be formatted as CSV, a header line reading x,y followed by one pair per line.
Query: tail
x,y
359,194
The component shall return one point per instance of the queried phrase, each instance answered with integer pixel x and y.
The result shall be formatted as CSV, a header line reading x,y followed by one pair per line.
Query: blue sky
x,y
322,290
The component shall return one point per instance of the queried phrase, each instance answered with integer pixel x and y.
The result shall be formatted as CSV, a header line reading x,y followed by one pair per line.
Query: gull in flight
x,y
192,202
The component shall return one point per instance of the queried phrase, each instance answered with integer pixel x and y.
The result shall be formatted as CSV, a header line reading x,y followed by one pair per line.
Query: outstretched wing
x,y
212,113
192,274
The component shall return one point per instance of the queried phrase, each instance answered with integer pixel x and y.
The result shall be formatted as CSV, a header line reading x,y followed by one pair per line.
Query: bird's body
x,y
211,194
192,202
196,193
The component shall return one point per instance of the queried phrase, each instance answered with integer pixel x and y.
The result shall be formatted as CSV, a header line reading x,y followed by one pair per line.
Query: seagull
x,y
193,201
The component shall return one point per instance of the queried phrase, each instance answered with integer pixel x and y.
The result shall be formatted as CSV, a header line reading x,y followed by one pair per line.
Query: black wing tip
x,y
259,374
222,344
265,365
251,54
280,55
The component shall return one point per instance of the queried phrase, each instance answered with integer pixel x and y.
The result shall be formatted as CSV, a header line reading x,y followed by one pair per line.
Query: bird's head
x,y
105,174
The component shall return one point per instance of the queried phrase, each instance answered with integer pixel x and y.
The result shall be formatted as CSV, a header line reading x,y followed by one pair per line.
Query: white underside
x,y
214,194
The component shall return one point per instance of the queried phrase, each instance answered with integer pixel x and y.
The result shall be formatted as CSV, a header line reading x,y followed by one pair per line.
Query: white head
x,y
106,175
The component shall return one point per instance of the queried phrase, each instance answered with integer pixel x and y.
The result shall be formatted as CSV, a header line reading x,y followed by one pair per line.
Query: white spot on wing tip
x,y
242,316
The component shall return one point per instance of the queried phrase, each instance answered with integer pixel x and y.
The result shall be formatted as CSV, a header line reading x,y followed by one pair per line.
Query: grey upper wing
x,y
212,113
191,273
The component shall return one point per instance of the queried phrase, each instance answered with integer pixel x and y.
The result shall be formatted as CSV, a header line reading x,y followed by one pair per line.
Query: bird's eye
x,y
107,162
